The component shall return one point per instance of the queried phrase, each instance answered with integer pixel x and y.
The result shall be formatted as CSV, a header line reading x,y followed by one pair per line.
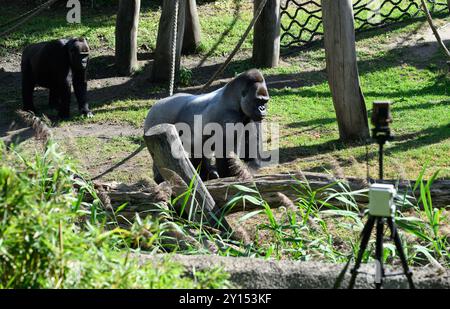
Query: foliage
x,y
185,76
314,228
50,238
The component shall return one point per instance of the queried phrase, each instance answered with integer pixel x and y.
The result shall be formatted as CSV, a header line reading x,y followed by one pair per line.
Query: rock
x,y
254,273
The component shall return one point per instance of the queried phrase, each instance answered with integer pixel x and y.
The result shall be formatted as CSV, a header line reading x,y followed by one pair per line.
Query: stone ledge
x,y
253,273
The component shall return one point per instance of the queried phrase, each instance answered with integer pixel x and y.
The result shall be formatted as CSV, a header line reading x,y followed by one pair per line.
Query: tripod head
x,y
381,119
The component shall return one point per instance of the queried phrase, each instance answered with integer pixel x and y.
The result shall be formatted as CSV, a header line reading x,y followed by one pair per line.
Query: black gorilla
x,y
56,65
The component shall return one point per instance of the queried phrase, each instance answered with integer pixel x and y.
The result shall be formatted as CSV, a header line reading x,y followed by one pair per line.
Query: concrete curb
x,y
255,273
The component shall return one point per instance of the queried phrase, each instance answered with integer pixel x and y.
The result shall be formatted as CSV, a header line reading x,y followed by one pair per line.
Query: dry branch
x,y
26,18
434,29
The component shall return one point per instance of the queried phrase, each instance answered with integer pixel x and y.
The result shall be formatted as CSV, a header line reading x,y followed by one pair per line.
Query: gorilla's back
x,y
180,108
45,59
166,110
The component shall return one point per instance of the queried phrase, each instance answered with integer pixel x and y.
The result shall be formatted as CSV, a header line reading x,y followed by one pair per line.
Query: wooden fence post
x,y
163,53
192,32
166,149
343,76
266,37
126,36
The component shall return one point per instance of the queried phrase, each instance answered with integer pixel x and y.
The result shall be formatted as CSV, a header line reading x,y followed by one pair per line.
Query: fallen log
x,y
293,185
270,186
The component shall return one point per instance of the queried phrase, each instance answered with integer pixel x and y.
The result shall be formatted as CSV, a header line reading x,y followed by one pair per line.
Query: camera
x,y
381,115
381,133
381,200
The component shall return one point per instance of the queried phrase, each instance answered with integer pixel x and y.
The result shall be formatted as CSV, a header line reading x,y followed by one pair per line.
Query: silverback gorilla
x,y
242,101
56,65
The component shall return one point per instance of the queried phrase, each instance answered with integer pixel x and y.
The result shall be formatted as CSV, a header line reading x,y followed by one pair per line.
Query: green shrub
x,y
185,76
50,238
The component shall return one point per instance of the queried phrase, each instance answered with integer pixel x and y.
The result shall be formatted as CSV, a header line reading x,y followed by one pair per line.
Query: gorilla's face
x,y
79,54
254,101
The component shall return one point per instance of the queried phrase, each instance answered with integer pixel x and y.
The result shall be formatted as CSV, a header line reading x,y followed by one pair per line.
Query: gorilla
x,y
56,65
242,101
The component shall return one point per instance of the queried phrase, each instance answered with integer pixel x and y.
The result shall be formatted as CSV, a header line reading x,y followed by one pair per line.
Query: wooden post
x,y
163,52
343,76
166,149
192,33
266,37
126,36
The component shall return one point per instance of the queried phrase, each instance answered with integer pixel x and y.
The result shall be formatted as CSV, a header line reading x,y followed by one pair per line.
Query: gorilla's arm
x,y
79,82
65,94
28,85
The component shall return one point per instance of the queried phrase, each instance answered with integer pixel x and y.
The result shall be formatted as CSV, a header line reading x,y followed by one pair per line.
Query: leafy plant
x,y
185,76
51,238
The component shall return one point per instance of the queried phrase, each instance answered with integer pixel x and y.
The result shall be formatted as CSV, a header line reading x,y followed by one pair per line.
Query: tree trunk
x,y
192,29
126,36
163,53
266,38
343,76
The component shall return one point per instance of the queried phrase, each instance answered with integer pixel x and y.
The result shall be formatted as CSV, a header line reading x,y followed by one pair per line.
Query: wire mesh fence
x,y
301,20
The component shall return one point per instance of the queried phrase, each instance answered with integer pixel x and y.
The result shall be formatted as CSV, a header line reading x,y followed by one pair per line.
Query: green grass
x,y
97,25
110,152
416,83
421,122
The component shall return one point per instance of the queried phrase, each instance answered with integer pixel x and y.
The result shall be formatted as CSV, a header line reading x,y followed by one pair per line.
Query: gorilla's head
x,y
254,95
78,54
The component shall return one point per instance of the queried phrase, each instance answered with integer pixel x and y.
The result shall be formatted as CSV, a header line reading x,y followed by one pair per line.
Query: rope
x,y
27,17
237,47
12,21
174,49
171,89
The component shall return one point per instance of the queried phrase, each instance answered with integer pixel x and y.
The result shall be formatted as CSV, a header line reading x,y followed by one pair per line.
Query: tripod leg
x,y
401,253
379,270
365,236
380,160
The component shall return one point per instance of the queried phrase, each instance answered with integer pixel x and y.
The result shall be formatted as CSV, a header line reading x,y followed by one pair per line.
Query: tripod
x,y
381,135
365,236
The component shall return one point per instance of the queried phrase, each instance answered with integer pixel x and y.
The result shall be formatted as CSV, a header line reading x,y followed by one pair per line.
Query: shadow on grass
x,y
401,143
424,138
290,154
224,34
